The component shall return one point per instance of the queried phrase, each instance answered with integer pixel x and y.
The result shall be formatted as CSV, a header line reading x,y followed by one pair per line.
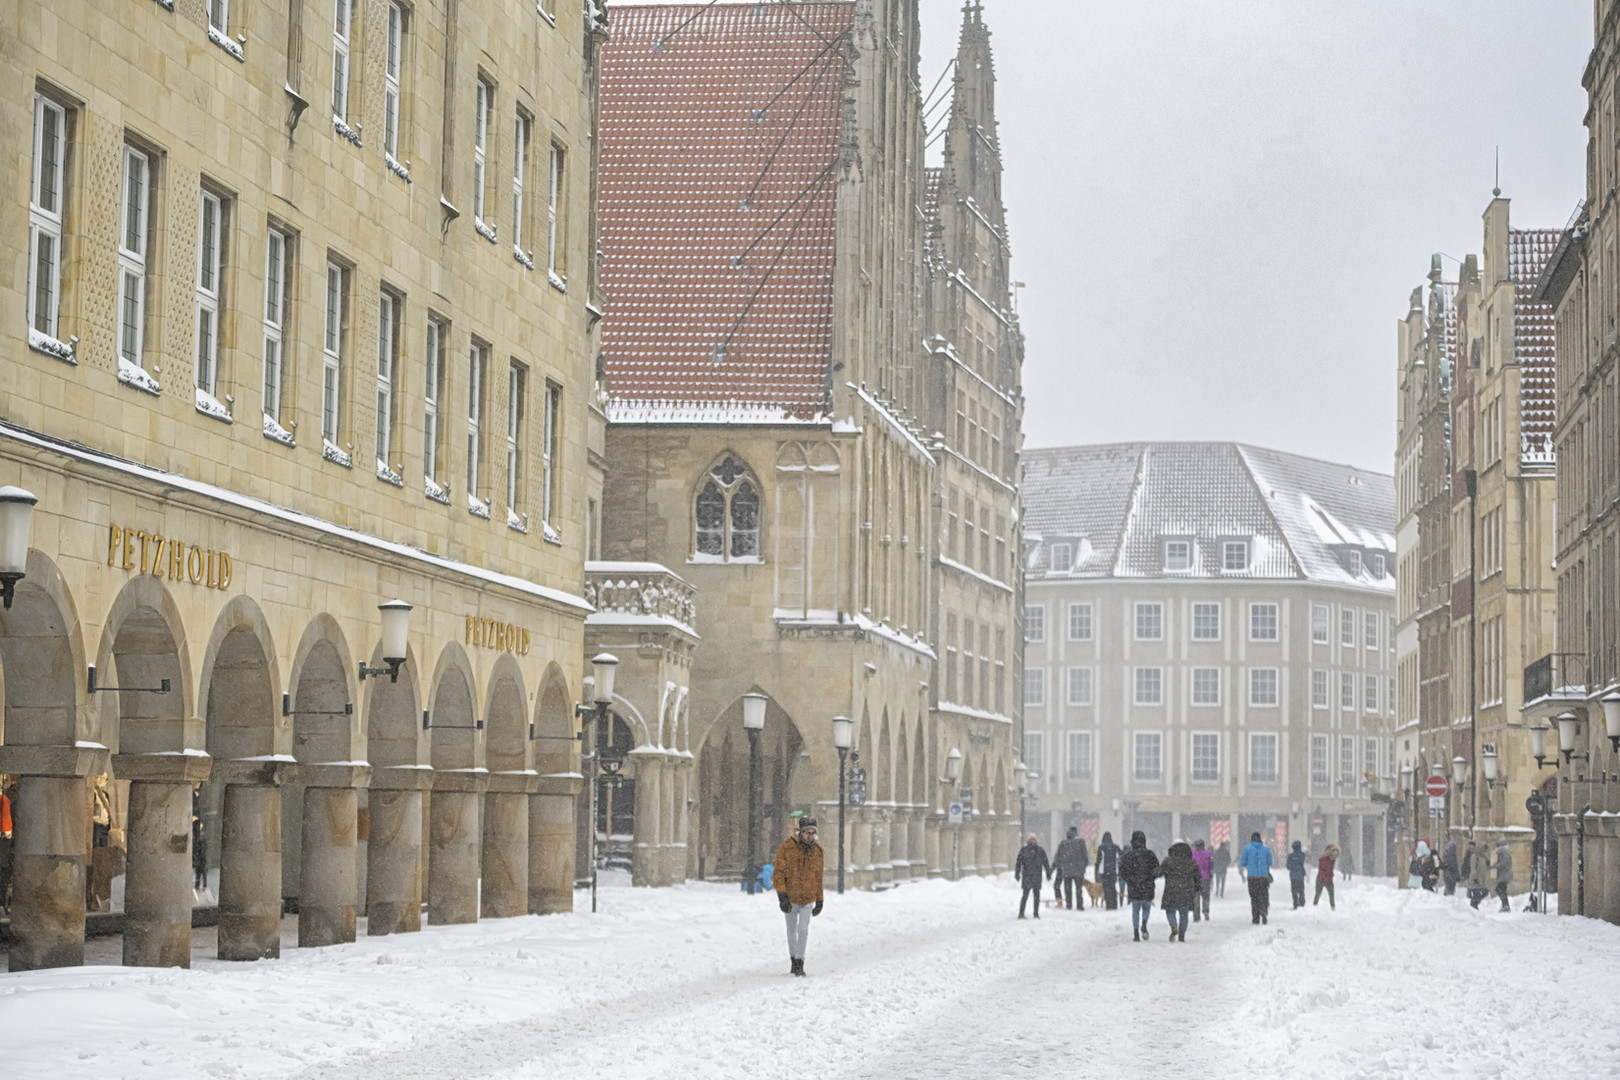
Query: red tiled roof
x,y
680,152
1528,252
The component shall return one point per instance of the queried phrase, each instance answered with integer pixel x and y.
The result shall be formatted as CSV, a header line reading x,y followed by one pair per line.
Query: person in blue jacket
x,y
1255,863
1296,875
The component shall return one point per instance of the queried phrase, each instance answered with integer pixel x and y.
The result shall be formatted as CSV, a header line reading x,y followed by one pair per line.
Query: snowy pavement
x,y
925,981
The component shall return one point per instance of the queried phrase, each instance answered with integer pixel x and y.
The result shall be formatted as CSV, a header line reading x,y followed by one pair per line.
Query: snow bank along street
x,y
929,980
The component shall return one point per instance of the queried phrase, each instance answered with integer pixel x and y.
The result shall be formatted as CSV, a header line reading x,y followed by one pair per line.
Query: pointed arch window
x,y
727,514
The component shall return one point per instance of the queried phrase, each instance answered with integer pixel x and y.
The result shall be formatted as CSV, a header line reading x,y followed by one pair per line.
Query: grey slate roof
x,y
1116,504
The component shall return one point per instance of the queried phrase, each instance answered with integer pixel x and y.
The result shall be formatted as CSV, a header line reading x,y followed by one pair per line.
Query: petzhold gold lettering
x,y
161,556
493,634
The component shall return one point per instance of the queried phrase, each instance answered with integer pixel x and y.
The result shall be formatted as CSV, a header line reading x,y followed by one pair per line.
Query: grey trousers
x,y
798,929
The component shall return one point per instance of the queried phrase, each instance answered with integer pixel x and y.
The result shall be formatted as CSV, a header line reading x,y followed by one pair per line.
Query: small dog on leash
x,y
1054,901
1095,891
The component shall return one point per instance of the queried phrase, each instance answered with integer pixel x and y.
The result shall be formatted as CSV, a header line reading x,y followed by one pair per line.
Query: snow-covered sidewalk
x,y
929,980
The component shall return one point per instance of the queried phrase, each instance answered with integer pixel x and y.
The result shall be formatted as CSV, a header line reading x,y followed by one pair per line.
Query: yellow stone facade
x,y
189,168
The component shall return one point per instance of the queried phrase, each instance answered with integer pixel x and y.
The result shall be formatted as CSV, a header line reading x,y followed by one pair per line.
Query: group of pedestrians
x,y
1297,866
1476,870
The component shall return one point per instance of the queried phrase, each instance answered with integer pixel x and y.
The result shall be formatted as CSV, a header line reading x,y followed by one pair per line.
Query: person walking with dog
x,y
1140,869
1206,871
1108,870
1182,884
797,879
1069,869
1031,866
1296,876
1255,866
1324,875
1223,863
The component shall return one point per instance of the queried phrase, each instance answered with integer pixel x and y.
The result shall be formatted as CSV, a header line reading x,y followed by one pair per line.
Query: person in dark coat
x,y
1448,868
1069,869
1223,863
1032,867
1296,875
1182,884
1139,867
1504,873
1108,870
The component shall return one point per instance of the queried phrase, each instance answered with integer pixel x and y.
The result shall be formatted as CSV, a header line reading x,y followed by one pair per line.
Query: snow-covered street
x,y
927,980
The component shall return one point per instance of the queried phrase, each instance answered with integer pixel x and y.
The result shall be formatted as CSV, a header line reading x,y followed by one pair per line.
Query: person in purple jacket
x,y
1206,870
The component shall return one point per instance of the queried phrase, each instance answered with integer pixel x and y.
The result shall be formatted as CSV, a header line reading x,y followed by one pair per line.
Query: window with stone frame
x,y
135,213
1206,757
1319,760
1034,622
1347,759
1149,686
1206,686
1079,756
1262,622
1319,623
1149,622
1034,686
1148,763
46,196
1319,689
726,517
1263,686
1206,622
1079,679
1262,758
1079,622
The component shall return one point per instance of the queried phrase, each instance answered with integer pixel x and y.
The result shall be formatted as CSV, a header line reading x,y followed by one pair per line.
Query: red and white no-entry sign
x,y
1436,786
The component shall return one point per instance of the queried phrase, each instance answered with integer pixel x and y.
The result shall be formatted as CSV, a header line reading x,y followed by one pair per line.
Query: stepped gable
x,y
1528,252
720,136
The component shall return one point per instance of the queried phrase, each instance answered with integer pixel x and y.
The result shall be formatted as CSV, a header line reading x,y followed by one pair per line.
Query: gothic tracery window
x,y
727,513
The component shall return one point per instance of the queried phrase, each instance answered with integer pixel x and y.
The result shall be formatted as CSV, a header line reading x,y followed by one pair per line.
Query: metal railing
x,y
1553,672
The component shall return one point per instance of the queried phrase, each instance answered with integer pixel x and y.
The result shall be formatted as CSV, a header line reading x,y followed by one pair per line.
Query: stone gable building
x,y
1209,646
794,427
298,321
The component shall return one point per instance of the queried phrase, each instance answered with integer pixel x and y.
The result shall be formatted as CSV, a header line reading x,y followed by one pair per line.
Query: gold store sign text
x,y
164,556
503,637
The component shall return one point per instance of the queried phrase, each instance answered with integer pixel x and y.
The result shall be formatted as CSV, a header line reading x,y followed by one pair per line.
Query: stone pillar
x,y
50,823
506,846
551,844
394,851
250,873
453,845
157,884
647,849
328,883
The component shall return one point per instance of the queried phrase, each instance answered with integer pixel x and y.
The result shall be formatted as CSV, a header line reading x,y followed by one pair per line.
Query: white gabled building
x,y
1209,645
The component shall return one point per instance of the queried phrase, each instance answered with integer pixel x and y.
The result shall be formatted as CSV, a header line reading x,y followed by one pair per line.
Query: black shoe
x,y
1144,933
1037,914
793,966
1136,935
1021,915
1263,920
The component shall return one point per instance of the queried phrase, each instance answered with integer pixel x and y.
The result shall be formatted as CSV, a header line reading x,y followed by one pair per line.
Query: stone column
x,y
50,823
453,845
506,845
551,844
394,852
328,883
647,849
157,884
250,873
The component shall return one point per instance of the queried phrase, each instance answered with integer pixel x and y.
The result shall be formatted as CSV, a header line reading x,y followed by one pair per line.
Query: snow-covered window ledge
x,y
331,452
484,229
517,522
276,433
62,350
209,405
433,491
477,507
387,475
395,167
224,42
525,258
167,5
550,535
342,127
702,559
558,282
134,375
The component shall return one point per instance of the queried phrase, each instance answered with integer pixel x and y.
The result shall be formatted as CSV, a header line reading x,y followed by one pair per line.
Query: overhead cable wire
x,y
721,346
747,201
737,260
759,114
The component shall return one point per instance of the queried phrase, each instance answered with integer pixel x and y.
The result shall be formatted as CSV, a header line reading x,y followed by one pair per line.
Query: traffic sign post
x,y
1436,786
956,813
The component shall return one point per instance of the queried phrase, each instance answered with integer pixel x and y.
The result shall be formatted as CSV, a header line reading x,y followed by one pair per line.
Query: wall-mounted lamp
x,y
1611,718
16,526
1569,725
953,767
396,627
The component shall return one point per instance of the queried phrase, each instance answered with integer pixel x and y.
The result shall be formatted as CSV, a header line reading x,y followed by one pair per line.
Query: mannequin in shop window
x,y
102,871
8,791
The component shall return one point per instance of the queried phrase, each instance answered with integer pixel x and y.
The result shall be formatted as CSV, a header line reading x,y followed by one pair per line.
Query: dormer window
x,y
1376,563
1234,555
1178,555
1353,562
1062,558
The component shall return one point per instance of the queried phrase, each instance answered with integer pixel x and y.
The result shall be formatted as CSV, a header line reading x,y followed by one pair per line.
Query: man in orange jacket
x,y
797,877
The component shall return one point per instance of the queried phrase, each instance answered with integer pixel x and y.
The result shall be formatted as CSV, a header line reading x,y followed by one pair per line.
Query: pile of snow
x,y
931,979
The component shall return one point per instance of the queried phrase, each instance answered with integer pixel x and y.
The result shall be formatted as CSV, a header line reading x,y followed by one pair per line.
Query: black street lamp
x,y
843,735
753,708
595,712
953,776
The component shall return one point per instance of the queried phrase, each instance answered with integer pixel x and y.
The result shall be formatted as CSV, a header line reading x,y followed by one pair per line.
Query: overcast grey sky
x,y
1221,208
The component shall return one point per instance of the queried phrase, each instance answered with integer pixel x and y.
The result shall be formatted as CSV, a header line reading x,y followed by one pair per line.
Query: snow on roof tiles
x,y
1303,518
1528,252
680,152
